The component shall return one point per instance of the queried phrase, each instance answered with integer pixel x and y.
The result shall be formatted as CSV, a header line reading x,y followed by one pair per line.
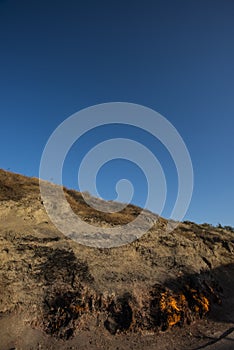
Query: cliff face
x,y
58,294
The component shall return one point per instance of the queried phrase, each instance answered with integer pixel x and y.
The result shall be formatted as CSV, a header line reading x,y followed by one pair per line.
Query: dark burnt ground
x,y
163,291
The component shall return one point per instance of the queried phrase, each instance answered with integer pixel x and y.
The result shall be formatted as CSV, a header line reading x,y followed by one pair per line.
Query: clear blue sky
x,y
175,56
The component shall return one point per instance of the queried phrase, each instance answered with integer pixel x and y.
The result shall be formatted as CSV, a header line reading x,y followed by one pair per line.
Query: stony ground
x,y
163,291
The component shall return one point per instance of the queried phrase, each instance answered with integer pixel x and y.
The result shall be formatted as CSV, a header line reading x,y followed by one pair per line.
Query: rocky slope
x,y
58,294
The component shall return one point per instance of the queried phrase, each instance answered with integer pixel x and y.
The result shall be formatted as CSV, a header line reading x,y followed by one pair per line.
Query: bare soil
x,y
163,291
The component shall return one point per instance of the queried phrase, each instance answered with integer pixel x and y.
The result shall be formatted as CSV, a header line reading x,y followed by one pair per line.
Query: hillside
x,y
162,291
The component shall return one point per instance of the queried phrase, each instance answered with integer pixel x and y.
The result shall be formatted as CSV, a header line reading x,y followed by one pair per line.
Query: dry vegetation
x,y
53,289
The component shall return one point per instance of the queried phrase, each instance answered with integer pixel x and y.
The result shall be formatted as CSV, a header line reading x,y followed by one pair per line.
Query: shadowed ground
x,y
163,291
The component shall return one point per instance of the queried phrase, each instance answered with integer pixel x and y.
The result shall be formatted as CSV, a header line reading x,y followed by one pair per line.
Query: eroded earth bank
x,y
162,291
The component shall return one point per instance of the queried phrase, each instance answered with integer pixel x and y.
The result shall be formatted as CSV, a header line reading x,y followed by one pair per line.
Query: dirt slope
x,y
163,291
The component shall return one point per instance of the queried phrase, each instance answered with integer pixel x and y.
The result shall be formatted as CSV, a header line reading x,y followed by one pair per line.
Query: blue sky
x,y
174,56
